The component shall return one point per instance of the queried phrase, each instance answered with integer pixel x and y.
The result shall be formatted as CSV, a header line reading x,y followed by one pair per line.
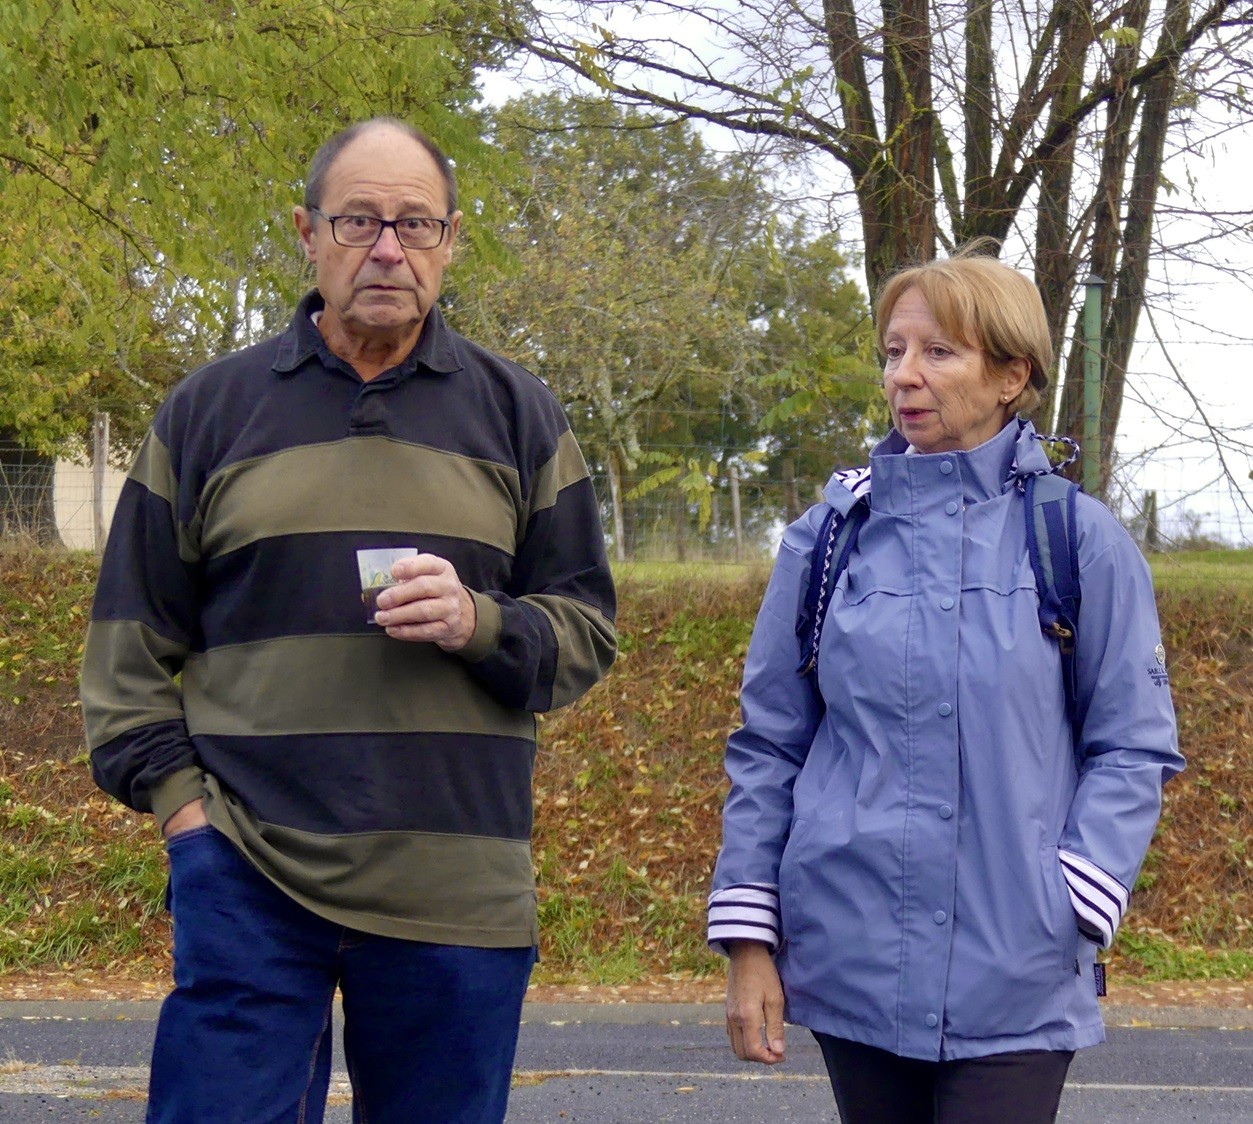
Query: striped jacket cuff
x,y
749,911
1099,901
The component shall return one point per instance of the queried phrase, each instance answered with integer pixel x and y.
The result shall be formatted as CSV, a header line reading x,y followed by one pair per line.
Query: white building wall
x,y
72,489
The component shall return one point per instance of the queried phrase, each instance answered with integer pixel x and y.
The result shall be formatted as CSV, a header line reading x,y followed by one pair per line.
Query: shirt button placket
x,y
947,603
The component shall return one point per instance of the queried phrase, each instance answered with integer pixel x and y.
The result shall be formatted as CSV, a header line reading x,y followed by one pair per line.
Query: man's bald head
x,y
325,156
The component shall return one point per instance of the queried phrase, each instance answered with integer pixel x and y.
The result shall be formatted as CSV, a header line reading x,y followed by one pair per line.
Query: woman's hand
x,y
754,1004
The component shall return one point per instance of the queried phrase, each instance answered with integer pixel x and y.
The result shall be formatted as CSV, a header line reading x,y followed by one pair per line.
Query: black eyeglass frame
x,y
444,225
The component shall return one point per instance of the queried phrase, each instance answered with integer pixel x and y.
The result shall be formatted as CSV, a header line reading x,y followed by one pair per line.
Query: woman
x,y
920,857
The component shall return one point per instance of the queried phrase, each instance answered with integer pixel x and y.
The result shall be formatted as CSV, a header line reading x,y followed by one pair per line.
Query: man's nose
x,y
388,247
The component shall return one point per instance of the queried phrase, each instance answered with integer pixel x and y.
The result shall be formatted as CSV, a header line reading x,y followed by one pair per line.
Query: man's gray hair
x,y
325,156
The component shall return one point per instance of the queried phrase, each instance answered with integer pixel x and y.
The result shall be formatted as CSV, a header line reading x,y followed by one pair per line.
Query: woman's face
x,y
942,394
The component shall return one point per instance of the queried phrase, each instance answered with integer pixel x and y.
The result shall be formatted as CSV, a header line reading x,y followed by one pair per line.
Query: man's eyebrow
x,y
408,209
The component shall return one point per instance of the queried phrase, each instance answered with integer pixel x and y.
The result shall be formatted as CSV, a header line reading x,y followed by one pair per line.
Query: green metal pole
x,y
1092,384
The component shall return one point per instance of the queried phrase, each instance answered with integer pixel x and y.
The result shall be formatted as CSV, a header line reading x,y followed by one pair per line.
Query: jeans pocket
x,y
188,835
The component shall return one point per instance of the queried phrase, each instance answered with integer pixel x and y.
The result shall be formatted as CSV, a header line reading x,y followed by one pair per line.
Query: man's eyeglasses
x,y
360,231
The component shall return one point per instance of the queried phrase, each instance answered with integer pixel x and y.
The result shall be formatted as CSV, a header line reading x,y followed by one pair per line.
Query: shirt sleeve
x,y
780,711
143,624
550,636
1127,743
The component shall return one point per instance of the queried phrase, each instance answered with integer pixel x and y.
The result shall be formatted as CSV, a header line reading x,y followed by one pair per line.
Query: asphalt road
x,y
645,1064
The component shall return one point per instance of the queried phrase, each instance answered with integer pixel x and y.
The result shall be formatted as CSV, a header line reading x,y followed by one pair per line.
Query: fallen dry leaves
x,y
628,794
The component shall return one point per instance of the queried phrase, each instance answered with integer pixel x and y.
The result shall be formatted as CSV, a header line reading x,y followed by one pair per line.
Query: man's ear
x,y
303,222
454,228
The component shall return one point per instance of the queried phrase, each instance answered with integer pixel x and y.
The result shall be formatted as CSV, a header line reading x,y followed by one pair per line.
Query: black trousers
x,y
877,1087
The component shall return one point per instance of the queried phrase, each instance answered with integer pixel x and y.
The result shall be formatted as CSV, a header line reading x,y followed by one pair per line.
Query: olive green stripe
x,y
565,467
126,682
447,889
585,644
152,469
360,484
340,685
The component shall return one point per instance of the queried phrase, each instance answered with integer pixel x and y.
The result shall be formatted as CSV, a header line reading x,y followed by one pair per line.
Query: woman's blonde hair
x,y
983,303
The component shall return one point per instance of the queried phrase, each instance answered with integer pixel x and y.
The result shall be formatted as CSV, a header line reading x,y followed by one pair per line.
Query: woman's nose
x,y
905,371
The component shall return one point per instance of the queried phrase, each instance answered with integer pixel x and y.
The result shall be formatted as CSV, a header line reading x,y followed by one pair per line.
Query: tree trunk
x,y
27,512
1106,235
615,502
1133,271
1056,257
896,197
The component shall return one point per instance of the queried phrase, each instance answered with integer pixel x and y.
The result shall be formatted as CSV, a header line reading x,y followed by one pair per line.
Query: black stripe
x,y
131,765
256,411
731,903
301,585
747,902
714,926
160,601
1091,933
1089,880
1096,907
348,783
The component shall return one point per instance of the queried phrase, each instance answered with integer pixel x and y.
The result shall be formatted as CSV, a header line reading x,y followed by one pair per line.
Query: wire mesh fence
x,y
1169,504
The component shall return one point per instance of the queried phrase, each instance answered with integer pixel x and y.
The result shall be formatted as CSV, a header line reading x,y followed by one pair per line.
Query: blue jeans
x,y
245,1037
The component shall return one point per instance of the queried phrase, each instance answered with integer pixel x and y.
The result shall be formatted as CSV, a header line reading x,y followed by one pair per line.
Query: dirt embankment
x,y
628,792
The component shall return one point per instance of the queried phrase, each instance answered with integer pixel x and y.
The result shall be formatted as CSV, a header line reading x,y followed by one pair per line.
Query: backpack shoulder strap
x,y
1052,539
837,535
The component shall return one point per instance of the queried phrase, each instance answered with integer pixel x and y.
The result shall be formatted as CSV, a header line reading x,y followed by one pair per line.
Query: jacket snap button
x,y
939,917
947,603
946,467
933,1020
945,710
951,507
946,813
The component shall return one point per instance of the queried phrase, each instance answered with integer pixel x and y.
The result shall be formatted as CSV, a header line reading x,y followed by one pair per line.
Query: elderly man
x,y
346,795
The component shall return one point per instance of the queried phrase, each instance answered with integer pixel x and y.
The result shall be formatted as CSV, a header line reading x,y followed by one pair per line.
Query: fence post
x,y
737,523
1092,389
99,461
1152,535
790,503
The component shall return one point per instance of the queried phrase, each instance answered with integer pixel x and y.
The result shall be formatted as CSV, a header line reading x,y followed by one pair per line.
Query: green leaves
x,y
152,153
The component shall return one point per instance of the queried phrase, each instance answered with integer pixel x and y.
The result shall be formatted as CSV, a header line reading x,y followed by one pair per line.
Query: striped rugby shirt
x,y
384,785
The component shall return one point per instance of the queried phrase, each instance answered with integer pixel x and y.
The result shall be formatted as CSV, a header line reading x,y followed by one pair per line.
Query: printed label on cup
x,y
375,569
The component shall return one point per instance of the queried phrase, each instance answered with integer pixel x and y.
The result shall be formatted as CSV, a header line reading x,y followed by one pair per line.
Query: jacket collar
x,y
985,472
436,349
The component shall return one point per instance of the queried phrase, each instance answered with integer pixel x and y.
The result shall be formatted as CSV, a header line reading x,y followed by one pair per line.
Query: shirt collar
x,y
436,349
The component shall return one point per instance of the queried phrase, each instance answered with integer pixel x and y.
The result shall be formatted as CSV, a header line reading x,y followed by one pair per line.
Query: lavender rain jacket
x,y
933,858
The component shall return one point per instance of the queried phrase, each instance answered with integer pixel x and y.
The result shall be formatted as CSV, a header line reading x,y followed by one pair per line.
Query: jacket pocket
x,y
1067,924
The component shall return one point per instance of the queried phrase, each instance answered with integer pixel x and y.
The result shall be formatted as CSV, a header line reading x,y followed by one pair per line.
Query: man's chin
x,y
385,308
403,297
